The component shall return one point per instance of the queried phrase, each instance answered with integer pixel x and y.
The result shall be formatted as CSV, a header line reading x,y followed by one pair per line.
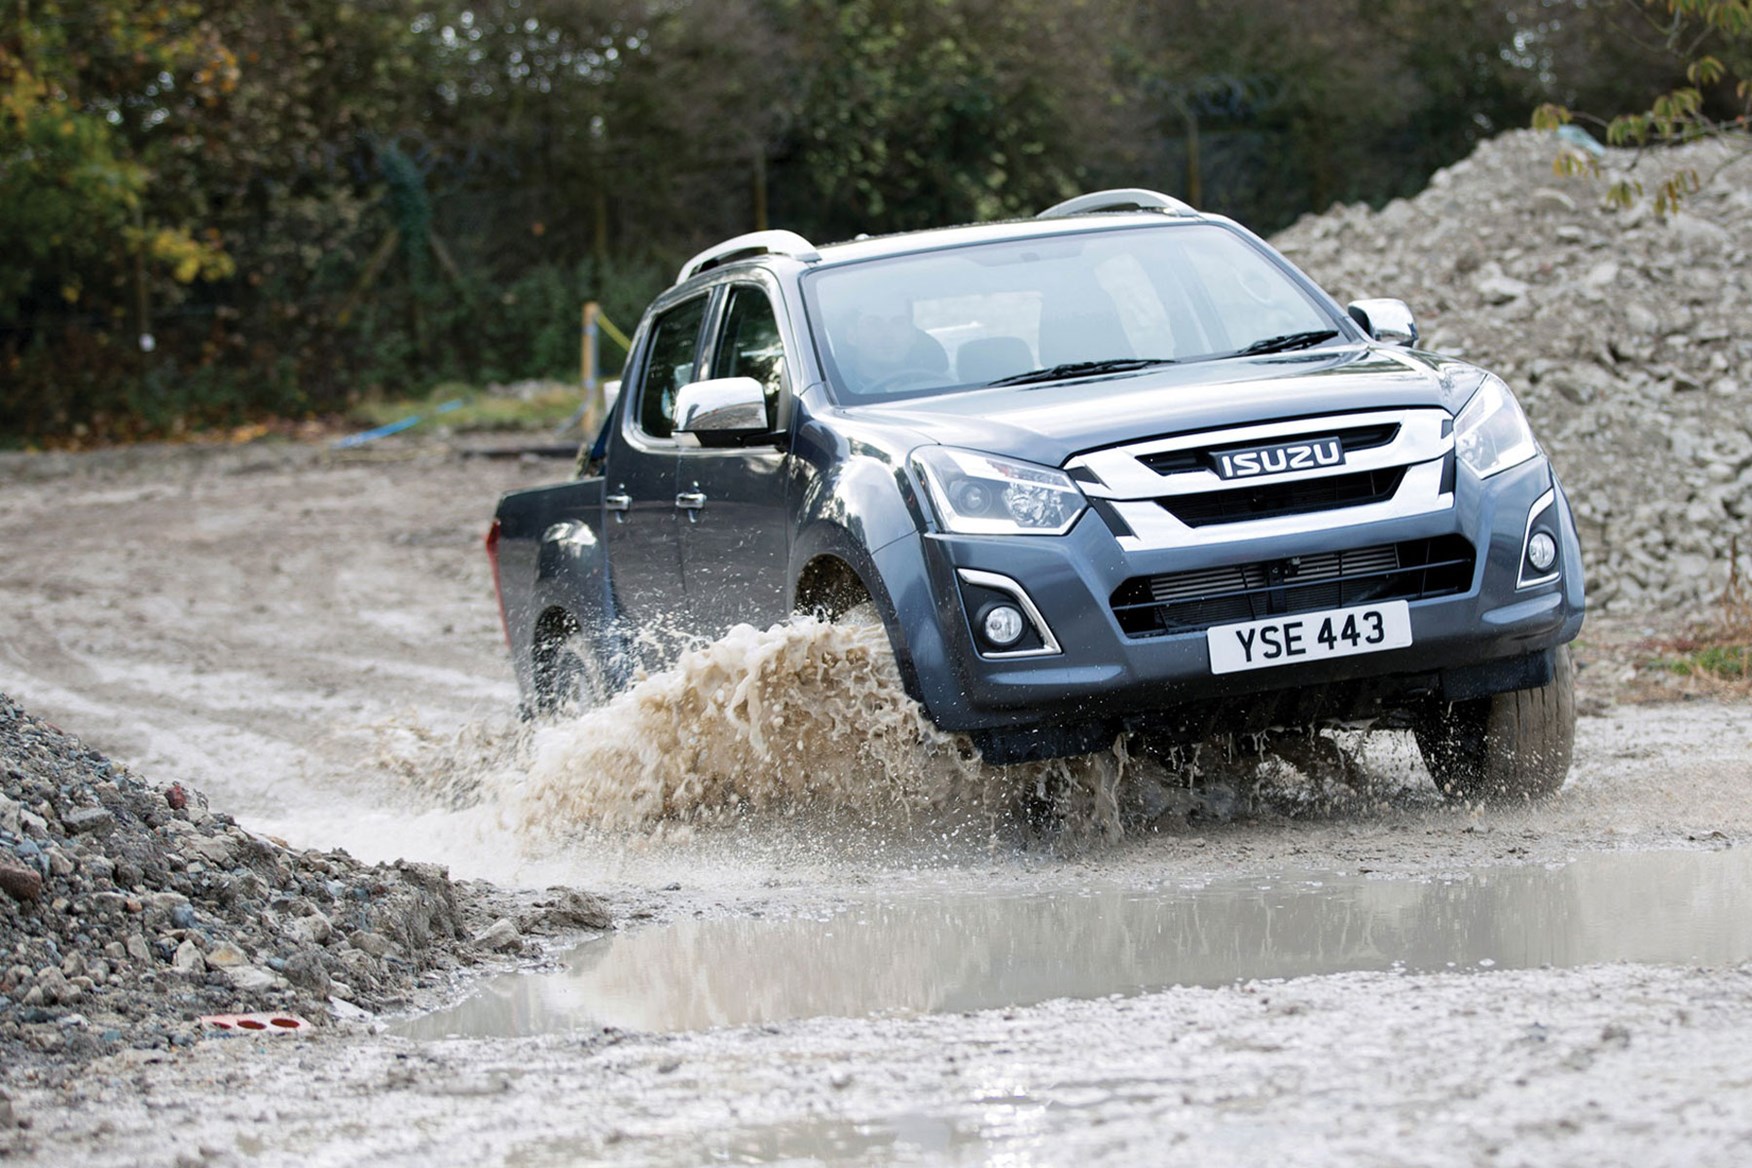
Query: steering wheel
x,y
899,378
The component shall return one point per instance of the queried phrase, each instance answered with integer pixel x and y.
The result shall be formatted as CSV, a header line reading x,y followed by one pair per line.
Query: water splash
x,y
807,715
794,737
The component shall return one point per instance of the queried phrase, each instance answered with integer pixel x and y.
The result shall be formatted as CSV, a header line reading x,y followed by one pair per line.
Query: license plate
x,y
1309,636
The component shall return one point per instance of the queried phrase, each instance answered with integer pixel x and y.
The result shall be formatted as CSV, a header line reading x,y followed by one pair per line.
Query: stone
x,y
314,929
1500,289
55,987
253,979
19,882
138,950
1552,198
305,970
501,937
217,850
1641,319
571,908
346,1011
225,955
376,944
1580,383
188,958
92,820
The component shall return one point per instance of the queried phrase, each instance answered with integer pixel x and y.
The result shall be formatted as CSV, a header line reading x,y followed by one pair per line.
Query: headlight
x,y
1491,434
982,494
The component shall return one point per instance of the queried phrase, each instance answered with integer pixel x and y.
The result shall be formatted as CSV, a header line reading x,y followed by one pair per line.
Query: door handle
x,y
691,502
618,504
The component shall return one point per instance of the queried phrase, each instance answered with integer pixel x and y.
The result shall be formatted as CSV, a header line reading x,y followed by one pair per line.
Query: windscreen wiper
x,y
1287,342
1082,369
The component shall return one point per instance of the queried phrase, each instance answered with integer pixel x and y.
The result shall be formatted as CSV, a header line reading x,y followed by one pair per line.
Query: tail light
x,y
492,542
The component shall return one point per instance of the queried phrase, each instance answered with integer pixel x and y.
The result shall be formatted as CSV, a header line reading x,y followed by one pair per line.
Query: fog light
x,y
1541,551
1003,624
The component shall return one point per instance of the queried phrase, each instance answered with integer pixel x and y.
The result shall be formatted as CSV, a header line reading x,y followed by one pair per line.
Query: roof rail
x,y
1121,199
785,243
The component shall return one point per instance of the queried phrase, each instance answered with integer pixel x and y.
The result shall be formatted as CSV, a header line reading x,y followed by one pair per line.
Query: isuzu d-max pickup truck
x,y
1120,469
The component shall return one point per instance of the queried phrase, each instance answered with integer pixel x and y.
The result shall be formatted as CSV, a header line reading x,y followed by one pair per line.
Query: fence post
x,y
587,356
593,404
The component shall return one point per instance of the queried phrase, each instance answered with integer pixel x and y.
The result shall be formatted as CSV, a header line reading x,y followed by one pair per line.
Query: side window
x,y
750,345
675,342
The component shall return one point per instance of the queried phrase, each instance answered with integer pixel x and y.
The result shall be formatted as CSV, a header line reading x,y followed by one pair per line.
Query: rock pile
x,y
127,911
1627,336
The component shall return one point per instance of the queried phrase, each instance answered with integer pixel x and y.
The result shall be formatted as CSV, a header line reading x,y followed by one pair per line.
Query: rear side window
x,y
675,343
750,345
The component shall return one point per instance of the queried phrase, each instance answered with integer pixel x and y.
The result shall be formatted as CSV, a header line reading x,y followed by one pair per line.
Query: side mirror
x,y
1388,321
722,407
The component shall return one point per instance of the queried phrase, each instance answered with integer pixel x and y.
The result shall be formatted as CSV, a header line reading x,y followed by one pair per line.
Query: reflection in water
x,y
962,952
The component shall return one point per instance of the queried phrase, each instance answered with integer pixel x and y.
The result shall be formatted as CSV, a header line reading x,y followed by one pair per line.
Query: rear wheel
x,y
568,671
1506,747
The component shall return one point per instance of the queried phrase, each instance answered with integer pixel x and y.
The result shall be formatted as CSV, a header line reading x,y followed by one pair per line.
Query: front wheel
x,y
1506,747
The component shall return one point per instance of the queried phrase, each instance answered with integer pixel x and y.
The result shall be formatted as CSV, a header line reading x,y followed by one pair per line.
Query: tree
x,y
1713,41
82,85
911,113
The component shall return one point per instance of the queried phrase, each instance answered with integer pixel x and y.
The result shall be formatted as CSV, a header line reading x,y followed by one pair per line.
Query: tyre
x,y
1506,747
569,674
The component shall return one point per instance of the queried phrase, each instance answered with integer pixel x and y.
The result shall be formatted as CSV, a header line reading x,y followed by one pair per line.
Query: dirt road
x,y
313,643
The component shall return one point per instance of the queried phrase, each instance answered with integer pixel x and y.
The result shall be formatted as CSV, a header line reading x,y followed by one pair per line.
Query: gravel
x,y
1623,332
128,911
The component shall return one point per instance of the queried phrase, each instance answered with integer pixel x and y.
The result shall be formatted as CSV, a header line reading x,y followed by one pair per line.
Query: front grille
x,y
1185,602
1269,501
1353,438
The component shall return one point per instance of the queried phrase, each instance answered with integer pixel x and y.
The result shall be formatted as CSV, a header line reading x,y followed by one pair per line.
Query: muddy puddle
x,y
956,951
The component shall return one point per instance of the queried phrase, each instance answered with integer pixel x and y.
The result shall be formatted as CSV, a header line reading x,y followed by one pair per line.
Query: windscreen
x,y
968,316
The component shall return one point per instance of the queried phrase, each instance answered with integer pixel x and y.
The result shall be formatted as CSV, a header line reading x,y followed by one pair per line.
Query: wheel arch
x,y
835,573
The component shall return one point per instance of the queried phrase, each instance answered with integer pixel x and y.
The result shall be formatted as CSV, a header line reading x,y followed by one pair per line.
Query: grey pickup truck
x,y
1119,469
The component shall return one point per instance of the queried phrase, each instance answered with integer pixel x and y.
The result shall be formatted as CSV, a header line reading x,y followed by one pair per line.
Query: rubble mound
x,y
129,911
1626,334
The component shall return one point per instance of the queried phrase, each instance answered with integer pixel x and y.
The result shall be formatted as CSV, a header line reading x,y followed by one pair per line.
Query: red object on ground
x,y
255,1023
176,797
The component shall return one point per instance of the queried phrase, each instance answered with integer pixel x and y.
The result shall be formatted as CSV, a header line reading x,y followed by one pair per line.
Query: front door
x,y
735,542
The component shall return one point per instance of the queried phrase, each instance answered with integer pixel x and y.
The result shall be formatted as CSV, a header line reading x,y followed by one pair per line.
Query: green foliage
x,y
311,203
1718,648
73,182
544,409
1725,662
919,112
1699,34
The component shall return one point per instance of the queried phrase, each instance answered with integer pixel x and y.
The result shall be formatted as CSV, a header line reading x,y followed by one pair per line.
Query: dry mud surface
x,y
312,644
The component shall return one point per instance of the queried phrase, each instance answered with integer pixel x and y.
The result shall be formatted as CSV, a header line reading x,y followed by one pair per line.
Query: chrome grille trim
x,y
1422,435
1154,527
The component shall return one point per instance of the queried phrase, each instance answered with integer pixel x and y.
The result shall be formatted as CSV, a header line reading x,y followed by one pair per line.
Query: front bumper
x,y
1493,635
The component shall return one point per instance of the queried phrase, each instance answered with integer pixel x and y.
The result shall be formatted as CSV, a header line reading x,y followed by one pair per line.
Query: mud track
x,y
312,643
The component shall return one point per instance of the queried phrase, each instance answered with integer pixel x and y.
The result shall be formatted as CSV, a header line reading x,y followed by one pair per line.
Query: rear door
x,y
734,525
640,523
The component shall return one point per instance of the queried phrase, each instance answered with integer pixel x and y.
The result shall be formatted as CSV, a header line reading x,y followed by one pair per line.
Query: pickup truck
x,y
1120,469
